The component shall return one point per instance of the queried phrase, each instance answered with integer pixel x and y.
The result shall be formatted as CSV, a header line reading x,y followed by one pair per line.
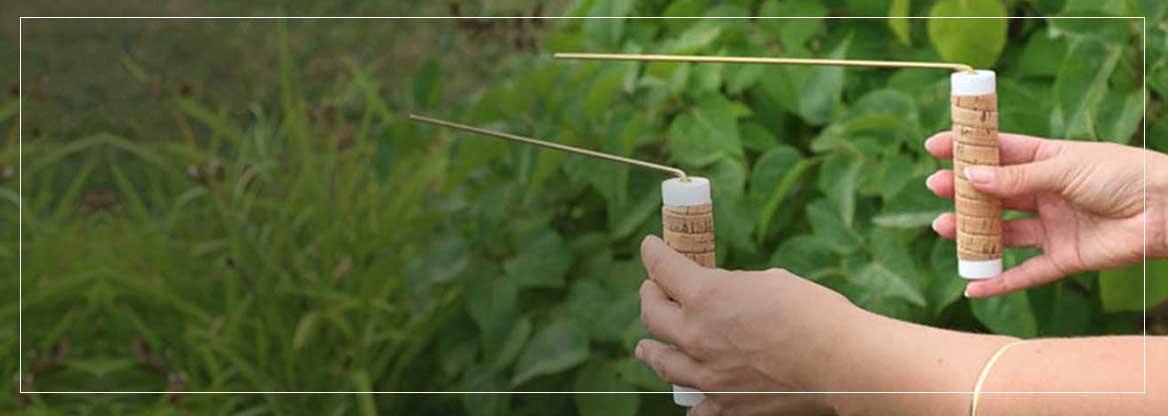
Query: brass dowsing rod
x,y
527,140
762,60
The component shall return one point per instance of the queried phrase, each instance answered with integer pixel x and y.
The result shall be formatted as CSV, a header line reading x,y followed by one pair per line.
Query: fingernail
x,y
934,225
929,180
979,174
929,140
966,293
639,351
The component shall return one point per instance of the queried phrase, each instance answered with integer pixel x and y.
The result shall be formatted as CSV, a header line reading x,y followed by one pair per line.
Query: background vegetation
x,y
241,206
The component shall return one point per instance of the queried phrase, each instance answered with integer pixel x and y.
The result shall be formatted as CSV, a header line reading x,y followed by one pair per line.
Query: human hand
x,y
739,331
1089,198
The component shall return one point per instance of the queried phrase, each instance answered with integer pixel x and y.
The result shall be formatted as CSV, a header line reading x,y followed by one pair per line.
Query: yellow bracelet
x,y
985,371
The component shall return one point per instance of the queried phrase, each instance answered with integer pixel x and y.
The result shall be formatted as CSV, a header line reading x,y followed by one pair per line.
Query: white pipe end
x,y
981,82
675,193
979,269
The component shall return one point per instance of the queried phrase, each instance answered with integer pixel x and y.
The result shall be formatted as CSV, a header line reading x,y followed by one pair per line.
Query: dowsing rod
x,y
761,60
527,140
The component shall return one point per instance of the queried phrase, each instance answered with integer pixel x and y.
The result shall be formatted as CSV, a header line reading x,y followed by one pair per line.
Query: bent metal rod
x,y
527,140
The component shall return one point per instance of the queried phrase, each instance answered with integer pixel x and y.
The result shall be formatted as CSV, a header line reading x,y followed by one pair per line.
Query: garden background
x,y
240,205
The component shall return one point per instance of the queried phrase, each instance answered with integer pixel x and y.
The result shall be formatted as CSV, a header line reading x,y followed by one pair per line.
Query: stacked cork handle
x,y
974,110
687,225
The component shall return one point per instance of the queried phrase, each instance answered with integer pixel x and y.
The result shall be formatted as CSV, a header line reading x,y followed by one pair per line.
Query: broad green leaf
x,y
700,36
897,22
542,260
825,221
707,77
1008,314
429,81
494,306
555,348
839,179
601,376
644,200
1122,290
715,114
707,134
640,375
601,312
481,378
807,256
607,31
1080,86
602,92
1060,309
727,178
976,42
1040,55
913,206
898,171
683,8
945,286
756,137
793,33
512,345
812,92
769,170
1119,116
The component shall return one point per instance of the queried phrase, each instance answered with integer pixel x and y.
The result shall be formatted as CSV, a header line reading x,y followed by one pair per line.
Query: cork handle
x,y
690,231
975,142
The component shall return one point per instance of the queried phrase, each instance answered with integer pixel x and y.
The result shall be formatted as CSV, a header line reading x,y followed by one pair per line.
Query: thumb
x,y
1017,180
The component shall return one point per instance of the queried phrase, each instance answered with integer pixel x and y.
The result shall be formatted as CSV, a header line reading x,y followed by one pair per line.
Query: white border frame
x,y
20,191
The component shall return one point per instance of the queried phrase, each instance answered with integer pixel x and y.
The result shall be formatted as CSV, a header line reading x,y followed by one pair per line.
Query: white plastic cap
x,y
675,193
981,82
979,269
687,396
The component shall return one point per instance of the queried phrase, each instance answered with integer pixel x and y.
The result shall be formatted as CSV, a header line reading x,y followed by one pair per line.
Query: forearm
x,y
888,355
1095,364
894,356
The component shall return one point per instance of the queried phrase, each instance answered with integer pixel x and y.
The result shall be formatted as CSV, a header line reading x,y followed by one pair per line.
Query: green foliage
x,y
416,258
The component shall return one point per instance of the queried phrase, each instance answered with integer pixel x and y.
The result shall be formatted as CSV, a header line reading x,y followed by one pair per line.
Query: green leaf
x,y
607,31
899,25
1040,54
775,174
706,134
811,92
601,376
1122,290
1119,116
513,344
1008,314
683,8
756,137
945,286
428,84
913,206
825,221
807,256
839,179
493,305
602,92
1080,86
699,37
640,375
892,273
976,42
793,33
555,348
542,261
